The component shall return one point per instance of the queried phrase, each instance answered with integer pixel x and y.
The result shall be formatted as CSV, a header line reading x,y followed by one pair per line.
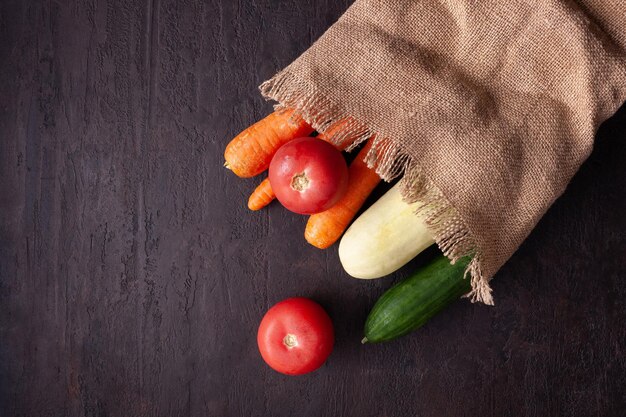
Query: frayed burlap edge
x,y
390,160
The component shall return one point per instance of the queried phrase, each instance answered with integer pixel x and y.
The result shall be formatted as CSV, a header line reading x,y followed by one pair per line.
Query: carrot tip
x,y
320,245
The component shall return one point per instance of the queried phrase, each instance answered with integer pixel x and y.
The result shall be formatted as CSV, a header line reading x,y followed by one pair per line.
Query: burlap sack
x,y
487,108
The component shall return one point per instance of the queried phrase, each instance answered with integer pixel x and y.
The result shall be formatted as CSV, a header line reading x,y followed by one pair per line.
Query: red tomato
x,y
295,336
308,175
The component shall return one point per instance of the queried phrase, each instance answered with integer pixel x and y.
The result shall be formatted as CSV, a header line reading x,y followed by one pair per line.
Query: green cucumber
x,y
412,302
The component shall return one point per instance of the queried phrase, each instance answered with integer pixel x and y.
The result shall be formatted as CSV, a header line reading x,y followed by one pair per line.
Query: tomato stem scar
x,y
290,340
300,182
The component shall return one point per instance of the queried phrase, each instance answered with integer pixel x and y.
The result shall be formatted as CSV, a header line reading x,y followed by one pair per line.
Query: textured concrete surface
x,y
132,277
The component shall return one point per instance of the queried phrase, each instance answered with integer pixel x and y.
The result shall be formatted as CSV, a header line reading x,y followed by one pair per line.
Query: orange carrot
x,y
325,228
333,130
251,151
262,196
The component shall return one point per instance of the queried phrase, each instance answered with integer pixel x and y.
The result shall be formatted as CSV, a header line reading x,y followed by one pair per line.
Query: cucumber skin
x,y
409,304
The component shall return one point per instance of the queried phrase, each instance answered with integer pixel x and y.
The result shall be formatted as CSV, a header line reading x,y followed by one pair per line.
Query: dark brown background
x,y
132,277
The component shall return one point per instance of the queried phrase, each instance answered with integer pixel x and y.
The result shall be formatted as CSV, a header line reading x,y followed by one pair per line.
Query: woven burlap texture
x,y
486,108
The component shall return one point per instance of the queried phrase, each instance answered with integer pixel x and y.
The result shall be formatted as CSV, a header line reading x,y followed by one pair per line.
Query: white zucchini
x,y
384,238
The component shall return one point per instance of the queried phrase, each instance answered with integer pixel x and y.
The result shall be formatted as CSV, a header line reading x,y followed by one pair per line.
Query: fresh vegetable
x,y
325,228
262,195
250,152
384,238
295,336
412,302
308,175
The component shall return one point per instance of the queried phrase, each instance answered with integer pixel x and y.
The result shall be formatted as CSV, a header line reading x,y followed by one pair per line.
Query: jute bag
x,y
486,108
